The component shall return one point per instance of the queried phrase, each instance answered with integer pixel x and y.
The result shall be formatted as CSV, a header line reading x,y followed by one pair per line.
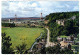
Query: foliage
x,y
8,24
21,49
66,51
57,50
70,26
76,47
61,15
43,50
6,49
44,36
53,50
63,36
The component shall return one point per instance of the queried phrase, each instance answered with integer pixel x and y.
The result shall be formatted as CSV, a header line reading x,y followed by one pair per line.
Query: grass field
x,y
63,36
19,35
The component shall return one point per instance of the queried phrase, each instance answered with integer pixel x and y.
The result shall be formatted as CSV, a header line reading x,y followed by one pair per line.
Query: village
x,y
41,42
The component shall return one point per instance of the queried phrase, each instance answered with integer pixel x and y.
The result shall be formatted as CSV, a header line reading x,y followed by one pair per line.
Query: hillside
x,y
61,15
70,26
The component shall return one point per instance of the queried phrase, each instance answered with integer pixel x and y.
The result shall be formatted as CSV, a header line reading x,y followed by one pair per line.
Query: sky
x,y
34,8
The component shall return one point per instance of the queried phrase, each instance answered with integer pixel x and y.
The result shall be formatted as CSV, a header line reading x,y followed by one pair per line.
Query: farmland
x,y
20,34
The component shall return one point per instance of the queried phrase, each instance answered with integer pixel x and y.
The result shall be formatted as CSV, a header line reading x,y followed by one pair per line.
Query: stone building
x,y
60,22
66,44
46,21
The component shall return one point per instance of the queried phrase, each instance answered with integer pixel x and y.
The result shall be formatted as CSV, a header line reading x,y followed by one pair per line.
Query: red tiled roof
x,y
68,41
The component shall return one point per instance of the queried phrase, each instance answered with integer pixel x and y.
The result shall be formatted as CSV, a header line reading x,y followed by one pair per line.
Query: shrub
x,y
8,24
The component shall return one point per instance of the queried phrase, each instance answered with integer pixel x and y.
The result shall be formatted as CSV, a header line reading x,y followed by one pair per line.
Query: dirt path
x,y
48,42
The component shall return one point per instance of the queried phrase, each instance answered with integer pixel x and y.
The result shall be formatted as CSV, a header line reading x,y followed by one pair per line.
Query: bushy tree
x,y
66,51
8,25
43,50
53,50
6,49
21,49
57,50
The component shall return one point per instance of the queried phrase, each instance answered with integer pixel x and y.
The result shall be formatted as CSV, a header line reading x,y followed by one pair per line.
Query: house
x,y
63,44
70,42
66,44
68,38
59,39
46,21
62,21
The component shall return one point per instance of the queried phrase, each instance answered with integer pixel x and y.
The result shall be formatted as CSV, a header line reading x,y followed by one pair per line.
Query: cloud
x,y
76,8
34,5
34,8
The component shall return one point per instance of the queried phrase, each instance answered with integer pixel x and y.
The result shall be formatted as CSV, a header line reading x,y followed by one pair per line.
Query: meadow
x,y
21,35
63,36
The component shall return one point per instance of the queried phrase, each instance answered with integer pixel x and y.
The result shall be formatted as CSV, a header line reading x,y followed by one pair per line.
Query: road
x,y
48,36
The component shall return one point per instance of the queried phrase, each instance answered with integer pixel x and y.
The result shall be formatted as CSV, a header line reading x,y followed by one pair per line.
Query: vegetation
x,y
42,39
70,27
8,24
44,36
6,44
63,36
57,50
21,49
61,15
21,34
20,39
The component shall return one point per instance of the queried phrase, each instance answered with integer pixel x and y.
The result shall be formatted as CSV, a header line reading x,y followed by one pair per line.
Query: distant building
x,y
60,22
10,20
46,21
66,44
59,39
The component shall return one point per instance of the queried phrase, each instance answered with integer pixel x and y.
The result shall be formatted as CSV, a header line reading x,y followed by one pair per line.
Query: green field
x,y
63,36
20,34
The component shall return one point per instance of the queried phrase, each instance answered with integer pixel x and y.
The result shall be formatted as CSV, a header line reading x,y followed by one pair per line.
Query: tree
x,y
21,49
70,27
43,50
12,25
66,51
53,50
57,50
6,49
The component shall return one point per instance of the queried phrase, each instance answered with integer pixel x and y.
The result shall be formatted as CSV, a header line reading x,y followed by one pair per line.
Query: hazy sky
x,y
34,8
